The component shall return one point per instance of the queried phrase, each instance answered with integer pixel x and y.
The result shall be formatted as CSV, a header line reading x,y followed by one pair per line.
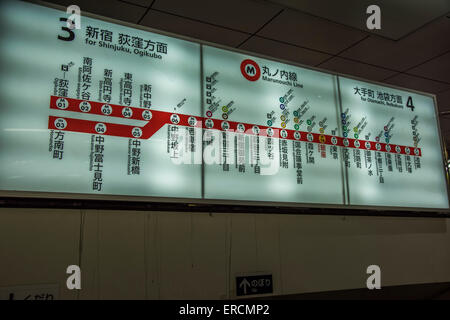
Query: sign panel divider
x,y
344,168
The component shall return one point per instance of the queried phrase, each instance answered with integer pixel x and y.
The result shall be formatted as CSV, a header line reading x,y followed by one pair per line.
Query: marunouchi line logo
x,y
250,70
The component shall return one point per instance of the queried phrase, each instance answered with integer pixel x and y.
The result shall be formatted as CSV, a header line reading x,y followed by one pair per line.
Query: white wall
x,y
162,255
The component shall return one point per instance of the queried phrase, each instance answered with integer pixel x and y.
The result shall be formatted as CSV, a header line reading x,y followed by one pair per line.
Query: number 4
x,y
409,103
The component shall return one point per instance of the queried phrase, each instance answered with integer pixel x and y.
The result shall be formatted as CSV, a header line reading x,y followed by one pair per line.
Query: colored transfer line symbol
x,y
322,138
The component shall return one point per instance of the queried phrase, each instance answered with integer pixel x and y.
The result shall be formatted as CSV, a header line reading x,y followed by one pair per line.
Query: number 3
x,y
71,35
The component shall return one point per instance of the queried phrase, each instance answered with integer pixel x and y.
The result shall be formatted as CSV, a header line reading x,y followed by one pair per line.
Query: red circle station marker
x,y
250,70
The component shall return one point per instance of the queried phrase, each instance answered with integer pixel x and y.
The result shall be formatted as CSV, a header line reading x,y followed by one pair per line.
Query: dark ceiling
x,y
412,50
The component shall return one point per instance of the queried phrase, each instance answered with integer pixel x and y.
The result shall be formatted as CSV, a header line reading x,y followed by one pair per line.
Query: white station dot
x,y
136,132
106,109
60,123
62,103
127,112
85,106
146,115
100,128
175,119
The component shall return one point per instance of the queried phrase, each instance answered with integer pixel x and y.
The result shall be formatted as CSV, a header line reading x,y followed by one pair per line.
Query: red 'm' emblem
x,y
250,70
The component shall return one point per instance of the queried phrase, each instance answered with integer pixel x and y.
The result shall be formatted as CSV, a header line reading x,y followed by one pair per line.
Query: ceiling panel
x,y
416,83
308,31
284,51
443,100
356,68
424,44
445,128
112,9
243,15
143,3
398,17
438,68
193,29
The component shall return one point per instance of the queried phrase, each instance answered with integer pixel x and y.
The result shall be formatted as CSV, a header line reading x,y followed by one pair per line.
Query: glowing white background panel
x,y
252,101
31,58
422,186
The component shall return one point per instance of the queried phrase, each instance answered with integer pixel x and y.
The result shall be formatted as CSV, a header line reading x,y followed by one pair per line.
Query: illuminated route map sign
x,y
115,111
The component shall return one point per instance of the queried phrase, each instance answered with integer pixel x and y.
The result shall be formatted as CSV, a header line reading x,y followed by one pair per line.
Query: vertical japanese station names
x,y
275,131
394,156
92,110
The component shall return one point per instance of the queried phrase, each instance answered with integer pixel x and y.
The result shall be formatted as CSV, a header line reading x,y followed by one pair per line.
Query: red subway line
x,y
157,119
